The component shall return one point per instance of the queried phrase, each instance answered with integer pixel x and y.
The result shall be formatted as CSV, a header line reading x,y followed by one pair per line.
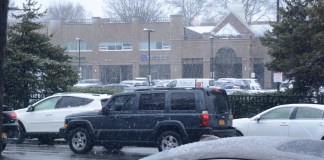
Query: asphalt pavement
x,y
31,150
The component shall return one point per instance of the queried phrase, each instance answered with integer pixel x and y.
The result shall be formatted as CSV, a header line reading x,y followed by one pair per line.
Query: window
x,y
280,113
115,46
219,101
74,46
68,101
152,101
46,104
309,113
122,103
155,45
183,101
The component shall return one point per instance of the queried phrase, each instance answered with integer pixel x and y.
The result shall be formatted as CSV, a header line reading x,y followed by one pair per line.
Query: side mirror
x,y
257,118
30,108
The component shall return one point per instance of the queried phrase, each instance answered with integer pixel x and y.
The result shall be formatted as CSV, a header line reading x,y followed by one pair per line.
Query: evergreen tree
x,y
296,44
33,64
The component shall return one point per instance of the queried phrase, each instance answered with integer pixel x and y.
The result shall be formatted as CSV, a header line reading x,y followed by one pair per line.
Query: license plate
x,y
221,122
4,135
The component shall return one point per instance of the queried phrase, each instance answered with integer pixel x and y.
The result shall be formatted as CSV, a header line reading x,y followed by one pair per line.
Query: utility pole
x,y
3,40
278,17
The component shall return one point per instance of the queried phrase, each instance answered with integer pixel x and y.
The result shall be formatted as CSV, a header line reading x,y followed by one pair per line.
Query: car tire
x,y
80,141
168,140
21,134
3,147
112,148
238,133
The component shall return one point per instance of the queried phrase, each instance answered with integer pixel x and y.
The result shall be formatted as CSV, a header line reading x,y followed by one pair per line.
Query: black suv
x,y
162,117
10,127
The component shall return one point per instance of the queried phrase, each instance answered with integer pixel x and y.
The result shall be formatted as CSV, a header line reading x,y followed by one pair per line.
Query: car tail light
x,y
204,119
218,90
13,115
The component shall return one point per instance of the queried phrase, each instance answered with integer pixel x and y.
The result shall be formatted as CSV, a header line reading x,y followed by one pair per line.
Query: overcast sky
x,y
94,7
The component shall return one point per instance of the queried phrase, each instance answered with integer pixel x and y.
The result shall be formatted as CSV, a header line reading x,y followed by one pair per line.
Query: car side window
x,y
69,101
122,103
183,101
280,113
309,113
152,101
172,84
47,104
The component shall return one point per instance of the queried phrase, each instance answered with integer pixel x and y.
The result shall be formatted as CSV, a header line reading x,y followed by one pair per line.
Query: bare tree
x,y
190,9
256,10
126,9
65,11
214,10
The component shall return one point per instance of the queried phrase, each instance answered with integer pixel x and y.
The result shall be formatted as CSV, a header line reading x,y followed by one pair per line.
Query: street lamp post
x,y
149,51
211,56
79,41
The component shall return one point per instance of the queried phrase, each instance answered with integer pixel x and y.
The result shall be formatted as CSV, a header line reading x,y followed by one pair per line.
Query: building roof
x,y
202,29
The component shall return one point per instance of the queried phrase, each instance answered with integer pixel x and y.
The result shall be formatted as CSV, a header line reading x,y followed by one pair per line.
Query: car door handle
x,y
284,124
49,114
320,123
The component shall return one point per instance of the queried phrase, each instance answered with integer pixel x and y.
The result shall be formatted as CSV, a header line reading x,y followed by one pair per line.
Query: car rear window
x,y
219,101
183,101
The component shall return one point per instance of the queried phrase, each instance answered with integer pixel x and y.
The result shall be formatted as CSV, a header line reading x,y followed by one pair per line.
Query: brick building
x,y
113,50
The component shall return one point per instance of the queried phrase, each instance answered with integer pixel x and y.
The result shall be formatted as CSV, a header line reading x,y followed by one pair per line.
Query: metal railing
x,y
244,106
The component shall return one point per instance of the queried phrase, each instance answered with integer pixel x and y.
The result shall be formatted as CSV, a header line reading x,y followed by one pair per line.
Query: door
x,y
68,105
118,118
308,123
41,117
273,123
150,111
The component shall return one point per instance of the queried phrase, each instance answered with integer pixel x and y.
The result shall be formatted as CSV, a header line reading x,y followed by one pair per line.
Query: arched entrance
x,y
225,64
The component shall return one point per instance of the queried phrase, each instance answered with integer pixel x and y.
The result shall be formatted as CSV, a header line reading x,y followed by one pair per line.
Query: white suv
x,y
44,118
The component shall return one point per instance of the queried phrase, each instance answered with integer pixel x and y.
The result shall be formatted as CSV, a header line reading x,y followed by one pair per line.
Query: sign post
x,y
277,78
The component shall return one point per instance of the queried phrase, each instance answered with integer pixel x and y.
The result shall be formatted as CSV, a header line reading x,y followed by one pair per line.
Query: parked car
x,y
223,84
191,82
160,117
291,120
116,86
10,127
246,148
44,118
287,84
237,82
253,83
161,82
89,83
134,82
